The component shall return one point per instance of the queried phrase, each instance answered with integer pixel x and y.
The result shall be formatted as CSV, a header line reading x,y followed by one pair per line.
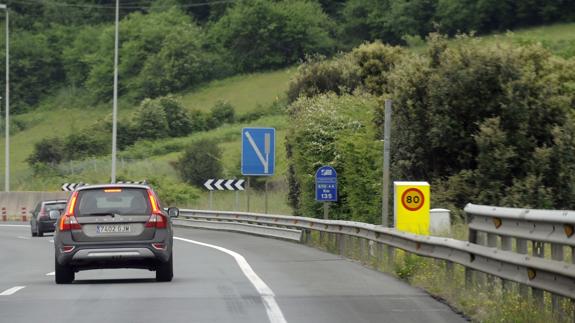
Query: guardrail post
x,y
538,251
379,255
479,276
506,244
448,272
363,251
556,254
521,245
339,240
491,242
390,257
469,273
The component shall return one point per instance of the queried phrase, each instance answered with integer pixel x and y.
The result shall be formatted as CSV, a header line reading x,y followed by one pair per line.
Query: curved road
x,y
219,277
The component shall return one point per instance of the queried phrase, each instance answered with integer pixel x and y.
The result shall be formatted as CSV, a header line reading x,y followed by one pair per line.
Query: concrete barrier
x,y
19,205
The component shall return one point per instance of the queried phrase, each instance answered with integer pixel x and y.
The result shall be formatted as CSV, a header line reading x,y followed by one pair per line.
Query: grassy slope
x,y
244,92
62,115
559,38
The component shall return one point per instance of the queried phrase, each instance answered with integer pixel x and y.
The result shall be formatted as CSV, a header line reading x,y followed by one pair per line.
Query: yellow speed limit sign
x,y
412,207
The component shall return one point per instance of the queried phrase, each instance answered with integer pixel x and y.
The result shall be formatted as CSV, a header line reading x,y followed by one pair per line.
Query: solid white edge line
x,y
273,310
15,225
51,273
11,291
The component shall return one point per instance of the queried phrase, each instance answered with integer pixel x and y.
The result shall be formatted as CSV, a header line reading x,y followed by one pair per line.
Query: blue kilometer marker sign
x,y
258,151
326,184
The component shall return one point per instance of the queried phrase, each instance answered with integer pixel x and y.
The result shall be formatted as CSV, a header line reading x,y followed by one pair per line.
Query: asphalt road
x,y
218,277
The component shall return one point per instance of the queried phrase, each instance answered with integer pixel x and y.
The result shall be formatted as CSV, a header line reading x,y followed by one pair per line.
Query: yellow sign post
x,y
411,207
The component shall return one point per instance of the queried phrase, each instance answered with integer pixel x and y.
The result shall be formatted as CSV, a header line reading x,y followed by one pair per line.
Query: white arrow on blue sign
x,y
326,184
258,151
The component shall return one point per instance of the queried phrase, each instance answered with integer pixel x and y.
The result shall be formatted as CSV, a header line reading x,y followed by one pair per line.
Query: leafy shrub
x,y
222,112
179,123
319,75
47,151
200,162
173,193
80,145
331,130
150,120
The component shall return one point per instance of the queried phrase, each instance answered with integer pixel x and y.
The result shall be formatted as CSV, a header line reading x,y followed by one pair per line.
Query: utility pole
x,y
115,103
386,154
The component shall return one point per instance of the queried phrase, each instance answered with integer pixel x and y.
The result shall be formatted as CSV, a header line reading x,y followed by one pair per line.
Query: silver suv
x,y
114,226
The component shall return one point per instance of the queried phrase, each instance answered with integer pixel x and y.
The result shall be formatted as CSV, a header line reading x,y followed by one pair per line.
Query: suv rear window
x,y
125,201
54,206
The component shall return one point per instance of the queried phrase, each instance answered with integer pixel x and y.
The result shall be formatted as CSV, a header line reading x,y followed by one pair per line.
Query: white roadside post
x,y
7,100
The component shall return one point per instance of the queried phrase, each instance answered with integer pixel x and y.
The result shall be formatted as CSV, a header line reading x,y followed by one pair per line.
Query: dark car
x,y
114,226
43,220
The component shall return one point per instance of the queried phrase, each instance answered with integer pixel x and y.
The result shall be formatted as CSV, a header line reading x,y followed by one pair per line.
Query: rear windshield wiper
x,y
101,213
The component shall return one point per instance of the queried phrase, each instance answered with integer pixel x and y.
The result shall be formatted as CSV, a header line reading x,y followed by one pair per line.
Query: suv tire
x,y
165,271
34,234
40,233
64,274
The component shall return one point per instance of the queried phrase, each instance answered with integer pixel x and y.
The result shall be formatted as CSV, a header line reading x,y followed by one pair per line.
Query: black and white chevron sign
x,y
144,182
225,184
69,187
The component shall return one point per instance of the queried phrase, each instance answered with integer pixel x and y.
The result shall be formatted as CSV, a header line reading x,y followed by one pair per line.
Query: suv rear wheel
x,y
64,274
165,271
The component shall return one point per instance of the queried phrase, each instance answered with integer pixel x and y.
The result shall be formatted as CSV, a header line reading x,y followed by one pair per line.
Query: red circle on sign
x,y
418,192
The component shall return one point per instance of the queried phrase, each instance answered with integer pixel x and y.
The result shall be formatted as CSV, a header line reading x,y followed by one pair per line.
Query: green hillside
x,y
62,114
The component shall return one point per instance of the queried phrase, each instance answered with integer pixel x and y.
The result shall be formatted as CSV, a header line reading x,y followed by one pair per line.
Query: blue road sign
x,y
258,151
326,184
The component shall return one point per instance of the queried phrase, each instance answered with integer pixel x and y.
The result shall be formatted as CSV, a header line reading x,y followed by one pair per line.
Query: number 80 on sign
x,y
412,199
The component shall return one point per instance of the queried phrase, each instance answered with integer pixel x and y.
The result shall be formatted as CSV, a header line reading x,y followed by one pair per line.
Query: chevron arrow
x,y
239,184
228,185
218,184
208,184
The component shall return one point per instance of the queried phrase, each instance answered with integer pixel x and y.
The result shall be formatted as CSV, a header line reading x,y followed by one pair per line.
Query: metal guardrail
x,y
268,231
499,227
541,274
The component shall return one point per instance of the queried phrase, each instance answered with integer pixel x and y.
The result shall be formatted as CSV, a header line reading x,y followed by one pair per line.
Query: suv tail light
x,y
68,221
157,220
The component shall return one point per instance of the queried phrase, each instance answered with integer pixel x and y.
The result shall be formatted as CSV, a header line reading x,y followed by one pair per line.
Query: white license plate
x,y
113,228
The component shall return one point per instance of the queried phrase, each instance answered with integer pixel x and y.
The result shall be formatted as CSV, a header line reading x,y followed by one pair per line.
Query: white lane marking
x,y
15,225
51,240
22,237
273,310
51,274
11,291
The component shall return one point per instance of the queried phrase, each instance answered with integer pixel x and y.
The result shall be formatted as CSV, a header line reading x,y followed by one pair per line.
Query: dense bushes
x,y
489,124
200,162
154,119
170,45
334,130
393,20
267,34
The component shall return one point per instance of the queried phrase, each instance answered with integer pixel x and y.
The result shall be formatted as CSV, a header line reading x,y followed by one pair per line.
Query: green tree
x,y
200,162
47,151
179,123
150,120
222,112
264,34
